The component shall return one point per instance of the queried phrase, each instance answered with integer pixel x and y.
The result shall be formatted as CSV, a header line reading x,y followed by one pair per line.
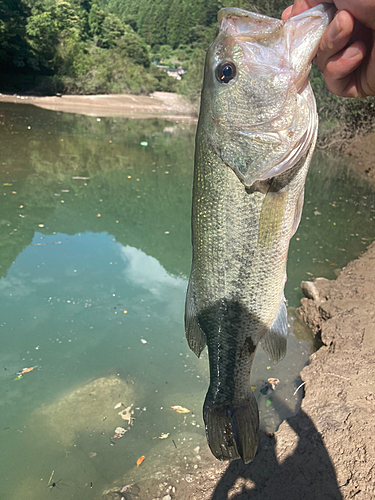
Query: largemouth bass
x,y
255,138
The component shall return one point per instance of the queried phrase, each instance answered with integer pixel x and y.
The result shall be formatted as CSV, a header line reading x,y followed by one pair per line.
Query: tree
x,y
96,19
111,30
134,48
14,50
49,31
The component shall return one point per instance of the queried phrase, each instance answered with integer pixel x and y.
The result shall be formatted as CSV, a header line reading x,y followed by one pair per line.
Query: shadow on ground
x,y
307,473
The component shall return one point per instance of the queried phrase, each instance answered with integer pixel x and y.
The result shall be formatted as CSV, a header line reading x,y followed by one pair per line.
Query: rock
x,y
309,290
84,409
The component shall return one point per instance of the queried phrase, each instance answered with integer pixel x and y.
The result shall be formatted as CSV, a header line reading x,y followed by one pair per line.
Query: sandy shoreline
x,y
163,105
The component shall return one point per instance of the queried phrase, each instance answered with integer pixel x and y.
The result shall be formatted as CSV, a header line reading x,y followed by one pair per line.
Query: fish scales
x,y
255,138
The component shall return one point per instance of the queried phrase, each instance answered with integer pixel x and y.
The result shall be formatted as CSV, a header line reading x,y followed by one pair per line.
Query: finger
x,y
340,71
335,38
362,10
302,5
368,80
286,14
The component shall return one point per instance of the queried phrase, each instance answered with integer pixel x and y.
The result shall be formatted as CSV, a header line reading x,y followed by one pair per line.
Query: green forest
x,y
101,46
117,46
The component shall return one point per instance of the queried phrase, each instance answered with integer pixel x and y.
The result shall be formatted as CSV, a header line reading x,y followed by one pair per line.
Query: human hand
x,y
346,55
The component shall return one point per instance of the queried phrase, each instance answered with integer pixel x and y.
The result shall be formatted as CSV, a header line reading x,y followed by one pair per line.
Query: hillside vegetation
x,y
117,46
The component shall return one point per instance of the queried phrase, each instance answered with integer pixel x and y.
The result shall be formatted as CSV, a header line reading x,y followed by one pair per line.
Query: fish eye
x,y
225,72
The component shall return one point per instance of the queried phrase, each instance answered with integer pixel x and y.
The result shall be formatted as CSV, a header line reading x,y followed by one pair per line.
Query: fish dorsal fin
x,y
275,341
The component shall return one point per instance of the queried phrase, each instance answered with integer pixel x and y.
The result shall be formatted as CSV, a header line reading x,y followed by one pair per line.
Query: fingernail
x,y
334,30
351,52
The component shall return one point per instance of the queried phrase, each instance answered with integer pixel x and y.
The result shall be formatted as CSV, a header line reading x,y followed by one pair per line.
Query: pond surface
x,y
94,258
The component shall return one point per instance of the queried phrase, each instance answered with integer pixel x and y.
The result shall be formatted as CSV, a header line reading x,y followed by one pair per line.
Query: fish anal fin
x,y
274,342
195,336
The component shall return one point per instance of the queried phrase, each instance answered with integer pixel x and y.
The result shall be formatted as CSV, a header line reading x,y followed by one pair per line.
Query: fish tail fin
x,y
232,430
274,343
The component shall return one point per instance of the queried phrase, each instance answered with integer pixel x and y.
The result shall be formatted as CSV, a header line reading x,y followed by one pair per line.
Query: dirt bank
x,y
164,105
362,152
340,380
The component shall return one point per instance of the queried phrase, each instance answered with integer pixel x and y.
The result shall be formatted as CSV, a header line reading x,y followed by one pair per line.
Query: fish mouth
x,y
252,27
240,22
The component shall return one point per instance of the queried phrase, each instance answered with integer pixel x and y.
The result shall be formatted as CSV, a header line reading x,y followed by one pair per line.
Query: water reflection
x,y
147,272
94,256
138,194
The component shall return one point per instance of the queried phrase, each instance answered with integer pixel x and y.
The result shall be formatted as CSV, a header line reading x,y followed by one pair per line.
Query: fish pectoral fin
x,y
232,429
298,212
194,334
275,341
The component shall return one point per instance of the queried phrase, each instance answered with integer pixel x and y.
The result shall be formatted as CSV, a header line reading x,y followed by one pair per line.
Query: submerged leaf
x,y
124,488
180,409
162,436
27,370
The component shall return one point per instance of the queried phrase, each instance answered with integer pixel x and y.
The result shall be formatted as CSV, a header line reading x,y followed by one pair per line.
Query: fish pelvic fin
x,y
195,336
232,430
275,340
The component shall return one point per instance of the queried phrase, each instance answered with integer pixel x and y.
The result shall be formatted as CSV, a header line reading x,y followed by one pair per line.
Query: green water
x,y
94,258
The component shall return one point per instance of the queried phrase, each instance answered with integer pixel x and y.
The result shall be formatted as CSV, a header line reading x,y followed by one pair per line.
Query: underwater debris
x,y
180,409
126,414
119,432
162,436
269,386
124,488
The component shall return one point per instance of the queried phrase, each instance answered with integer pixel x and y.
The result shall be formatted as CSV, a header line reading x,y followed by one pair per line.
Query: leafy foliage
x,y
340,118
14,49
78,46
